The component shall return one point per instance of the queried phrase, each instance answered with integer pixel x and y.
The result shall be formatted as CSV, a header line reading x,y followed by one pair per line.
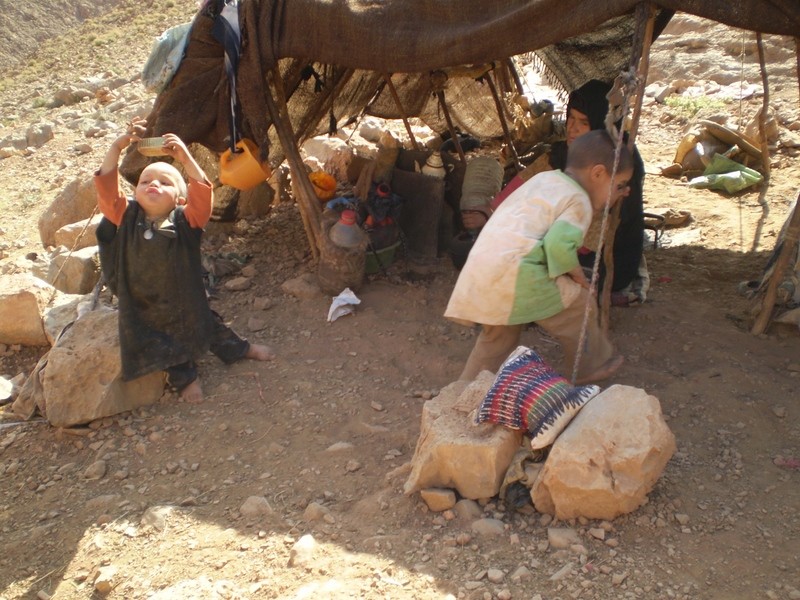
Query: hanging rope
x,y
762,130
71,251
740,200
625,84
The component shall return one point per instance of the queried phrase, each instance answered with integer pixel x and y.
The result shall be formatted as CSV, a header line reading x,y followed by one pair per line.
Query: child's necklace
x,y
149,228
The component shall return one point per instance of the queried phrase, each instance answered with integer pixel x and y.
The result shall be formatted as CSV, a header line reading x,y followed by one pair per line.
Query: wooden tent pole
x,y
304,192
453,134
512,68
393,90
640,60
641,73
501,114
790,241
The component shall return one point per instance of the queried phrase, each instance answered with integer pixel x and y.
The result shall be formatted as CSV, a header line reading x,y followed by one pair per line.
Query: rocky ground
x,y
215,500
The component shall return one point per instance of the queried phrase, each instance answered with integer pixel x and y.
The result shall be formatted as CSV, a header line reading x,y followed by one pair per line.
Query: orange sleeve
x,y
199,203
110,199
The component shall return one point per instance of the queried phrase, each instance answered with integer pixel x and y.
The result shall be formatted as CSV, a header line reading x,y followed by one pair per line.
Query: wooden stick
x,y
790,241
642,70
501,114
640,59
403,115
512,68
789,244
304,191
450,126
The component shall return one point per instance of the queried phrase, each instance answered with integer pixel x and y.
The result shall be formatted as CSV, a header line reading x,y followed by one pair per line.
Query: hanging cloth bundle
x,y
239,165
226,31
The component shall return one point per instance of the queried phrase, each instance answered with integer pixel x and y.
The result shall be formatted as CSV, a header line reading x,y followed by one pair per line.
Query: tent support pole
x,y
501,114
641,73
762,130
789,244
450,127
393,90
640,60
304,192
512,68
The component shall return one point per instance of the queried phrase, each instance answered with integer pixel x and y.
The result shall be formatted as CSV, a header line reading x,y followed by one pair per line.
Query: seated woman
x,y
586,110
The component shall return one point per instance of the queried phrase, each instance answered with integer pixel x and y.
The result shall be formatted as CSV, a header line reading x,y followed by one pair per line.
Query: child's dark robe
x,y
164,316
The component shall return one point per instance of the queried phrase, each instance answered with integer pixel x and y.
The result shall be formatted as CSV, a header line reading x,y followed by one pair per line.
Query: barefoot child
x,y
150,256
524,266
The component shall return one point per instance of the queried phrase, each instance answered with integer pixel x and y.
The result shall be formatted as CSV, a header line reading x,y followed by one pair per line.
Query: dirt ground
x,y
334,418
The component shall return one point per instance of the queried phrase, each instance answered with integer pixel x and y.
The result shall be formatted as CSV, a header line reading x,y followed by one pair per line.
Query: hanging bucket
x,y
242,169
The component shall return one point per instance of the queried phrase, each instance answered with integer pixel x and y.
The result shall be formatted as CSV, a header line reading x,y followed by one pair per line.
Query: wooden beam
x,y
501,115
450,126
641,71
393,90
512,69
640,62
790,241
304,191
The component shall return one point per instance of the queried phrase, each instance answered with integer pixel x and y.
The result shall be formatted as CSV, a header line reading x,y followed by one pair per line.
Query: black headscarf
x,y
589,99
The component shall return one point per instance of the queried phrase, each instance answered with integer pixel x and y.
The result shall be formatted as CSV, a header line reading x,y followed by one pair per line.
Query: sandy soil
x,y
269,429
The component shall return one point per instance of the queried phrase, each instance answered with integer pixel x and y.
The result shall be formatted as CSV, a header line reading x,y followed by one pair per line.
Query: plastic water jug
x,y
346,233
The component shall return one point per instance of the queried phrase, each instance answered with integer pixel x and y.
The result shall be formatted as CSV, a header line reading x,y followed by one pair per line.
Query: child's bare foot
x,y
192,393
606,370
259,352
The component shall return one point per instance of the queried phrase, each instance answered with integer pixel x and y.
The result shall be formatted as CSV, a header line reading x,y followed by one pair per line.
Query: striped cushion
x,y
528,394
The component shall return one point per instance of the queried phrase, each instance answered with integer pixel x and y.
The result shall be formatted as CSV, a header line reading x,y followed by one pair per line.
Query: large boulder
x,y
79,379
64,309
75,203
75,272
607,459
23,299
80,234
453,452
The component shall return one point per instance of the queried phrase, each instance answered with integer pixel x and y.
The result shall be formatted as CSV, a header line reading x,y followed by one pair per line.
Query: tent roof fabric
x,y
420,35
351,44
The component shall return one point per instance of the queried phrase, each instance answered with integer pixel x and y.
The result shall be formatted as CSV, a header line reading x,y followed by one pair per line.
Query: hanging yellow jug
x,y
242,169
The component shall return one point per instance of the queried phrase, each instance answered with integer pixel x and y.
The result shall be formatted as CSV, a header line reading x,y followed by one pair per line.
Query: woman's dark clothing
x,y
590,99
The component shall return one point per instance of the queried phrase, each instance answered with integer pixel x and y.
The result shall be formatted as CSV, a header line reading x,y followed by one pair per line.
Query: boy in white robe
x,y
524,266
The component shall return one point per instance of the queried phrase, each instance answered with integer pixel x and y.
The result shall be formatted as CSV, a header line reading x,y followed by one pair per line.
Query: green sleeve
x,y
561,243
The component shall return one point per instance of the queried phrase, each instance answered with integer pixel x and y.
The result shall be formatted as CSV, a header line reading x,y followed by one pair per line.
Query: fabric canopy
x,y
334,56
421,35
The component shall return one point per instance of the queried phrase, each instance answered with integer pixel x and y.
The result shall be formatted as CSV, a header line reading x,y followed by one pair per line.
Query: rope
x,y
627,81
69,254
740,199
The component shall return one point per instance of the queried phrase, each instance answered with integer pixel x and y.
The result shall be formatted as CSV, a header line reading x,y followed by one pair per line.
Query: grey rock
x,y
488,527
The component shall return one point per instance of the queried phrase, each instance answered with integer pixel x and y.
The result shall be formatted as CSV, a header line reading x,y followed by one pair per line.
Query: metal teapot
x,y
434,166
